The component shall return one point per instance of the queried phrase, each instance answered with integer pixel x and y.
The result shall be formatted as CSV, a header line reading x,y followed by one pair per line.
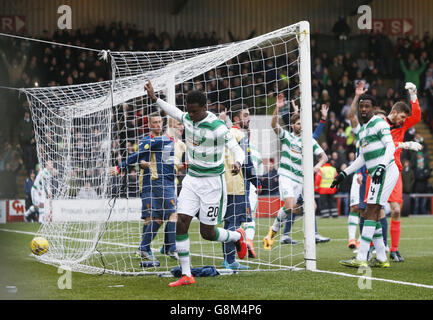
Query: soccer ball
x,y
39,246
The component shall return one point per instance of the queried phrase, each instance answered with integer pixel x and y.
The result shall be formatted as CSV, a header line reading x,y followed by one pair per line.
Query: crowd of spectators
x,y
383,66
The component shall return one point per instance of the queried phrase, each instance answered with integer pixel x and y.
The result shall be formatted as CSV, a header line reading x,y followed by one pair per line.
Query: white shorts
x,y
37,197
379,193
289,188
206,196
354,191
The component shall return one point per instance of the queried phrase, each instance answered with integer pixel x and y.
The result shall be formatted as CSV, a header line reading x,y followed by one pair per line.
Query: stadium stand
x,y
334,76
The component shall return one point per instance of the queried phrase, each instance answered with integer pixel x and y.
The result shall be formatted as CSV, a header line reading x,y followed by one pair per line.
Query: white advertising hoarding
x,y
82,210
2,211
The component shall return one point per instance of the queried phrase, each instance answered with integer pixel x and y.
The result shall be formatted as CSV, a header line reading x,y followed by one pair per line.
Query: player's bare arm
x,y
144,164
324,109
279,106
150,92
294,106
323,158
359,91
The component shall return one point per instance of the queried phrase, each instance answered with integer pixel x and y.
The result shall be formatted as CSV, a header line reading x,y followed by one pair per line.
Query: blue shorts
x,y
238,209
158,202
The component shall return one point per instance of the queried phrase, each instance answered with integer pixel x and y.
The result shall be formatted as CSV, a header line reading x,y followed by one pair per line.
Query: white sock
x,y
223,235
353,221
29,211
367,235
42,217
281,216
182,247
250,229
378,243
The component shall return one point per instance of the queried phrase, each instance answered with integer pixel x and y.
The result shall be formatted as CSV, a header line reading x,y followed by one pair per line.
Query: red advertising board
x,y
393,27
15,210
13,24
268,207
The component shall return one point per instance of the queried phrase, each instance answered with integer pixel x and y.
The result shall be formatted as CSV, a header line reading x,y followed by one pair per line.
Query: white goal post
x,y
307,144
85,130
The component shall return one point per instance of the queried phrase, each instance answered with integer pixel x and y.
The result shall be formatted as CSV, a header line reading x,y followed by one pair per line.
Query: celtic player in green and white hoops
x,y
204,187
290,176
41,191
377,153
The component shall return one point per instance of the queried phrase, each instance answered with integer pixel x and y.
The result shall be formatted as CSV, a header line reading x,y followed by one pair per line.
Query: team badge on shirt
x,y
198,140
295,149
195,142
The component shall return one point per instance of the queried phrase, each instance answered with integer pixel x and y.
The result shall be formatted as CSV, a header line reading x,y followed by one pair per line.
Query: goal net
x,y
93,218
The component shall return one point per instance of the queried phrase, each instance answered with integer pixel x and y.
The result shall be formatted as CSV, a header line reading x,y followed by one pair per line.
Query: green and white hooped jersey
x,y
291,155
373,137
355,131
41,182
206,141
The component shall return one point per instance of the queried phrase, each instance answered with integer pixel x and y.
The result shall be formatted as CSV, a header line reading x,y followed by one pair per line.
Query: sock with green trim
x,y
250,229
378,243
183,246
366,237
282,215
229,248
223,235
352,221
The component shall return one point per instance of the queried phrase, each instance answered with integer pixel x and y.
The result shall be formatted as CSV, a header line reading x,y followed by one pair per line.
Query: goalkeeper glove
x,y
410,145
338,179
412,90
378,174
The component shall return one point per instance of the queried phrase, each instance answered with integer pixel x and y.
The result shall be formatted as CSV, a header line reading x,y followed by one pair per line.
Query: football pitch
x,y
22,277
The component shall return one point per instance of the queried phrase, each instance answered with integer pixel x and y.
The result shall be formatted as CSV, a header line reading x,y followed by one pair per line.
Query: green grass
x,y
35,280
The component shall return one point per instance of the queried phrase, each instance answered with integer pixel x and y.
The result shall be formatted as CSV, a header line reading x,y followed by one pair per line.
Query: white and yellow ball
x,y
39,246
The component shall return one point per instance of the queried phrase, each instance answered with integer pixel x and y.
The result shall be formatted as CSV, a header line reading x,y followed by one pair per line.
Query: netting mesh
x,y
86,130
